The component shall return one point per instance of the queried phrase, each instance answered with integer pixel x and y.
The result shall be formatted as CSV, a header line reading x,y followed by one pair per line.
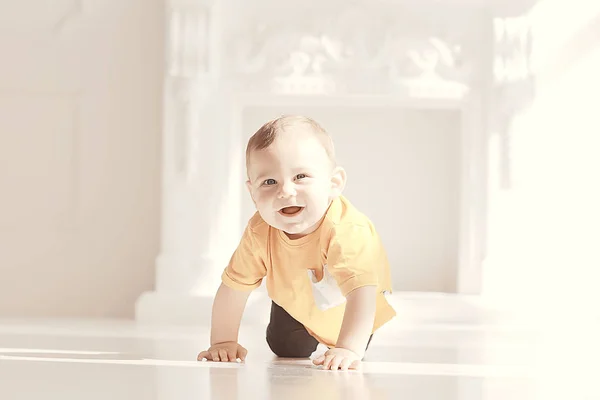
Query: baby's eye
x,y
300,176
269,182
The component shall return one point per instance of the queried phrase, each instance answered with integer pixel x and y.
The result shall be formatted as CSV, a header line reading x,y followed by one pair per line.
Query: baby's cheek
x,y
261,204
260,198
264,204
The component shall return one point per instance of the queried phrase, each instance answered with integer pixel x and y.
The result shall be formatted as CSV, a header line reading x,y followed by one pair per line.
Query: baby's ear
x,y
338,181
249,187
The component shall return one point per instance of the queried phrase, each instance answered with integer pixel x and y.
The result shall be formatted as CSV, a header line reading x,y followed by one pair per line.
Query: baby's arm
x,y
228,308
358,319
227,311
357,326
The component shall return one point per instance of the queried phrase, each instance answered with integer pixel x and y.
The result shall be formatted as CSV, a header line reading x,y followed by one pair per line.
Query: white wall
x,y
80,107
544,229
80,124
403,171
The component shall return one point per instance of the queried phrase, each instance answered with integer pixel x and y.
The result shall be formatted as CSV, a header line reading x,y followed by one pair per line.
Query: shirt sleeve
x,y
246,268
352,258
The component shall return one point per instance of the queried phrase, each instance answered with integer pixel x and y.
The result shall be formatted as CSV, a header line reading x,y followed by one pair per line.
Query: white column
x,y
544,196
194,173
506,274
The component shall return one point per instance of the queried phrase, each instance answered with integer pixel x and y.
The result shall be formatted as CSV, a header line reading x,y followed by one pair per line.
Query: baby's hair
x,y
267,134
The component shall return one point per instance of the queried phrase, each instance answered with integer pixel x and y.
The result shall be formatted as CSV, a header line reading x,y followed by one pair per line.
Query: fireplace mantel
x,y
223,57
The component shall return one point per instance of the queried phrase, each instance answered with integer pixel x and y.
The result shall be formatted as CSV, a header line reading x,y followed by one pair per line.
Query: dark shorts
x,y
289,338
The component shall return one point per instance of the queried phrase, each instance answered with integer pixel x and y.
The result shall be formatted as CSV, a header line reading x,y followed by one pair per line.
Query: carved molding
x,y
513,74
188,86
359,49
188,41
514,84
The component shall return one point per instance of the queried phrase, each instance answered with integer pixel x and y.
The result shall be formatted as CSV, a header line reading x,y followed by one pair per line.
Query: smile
x,y
291,211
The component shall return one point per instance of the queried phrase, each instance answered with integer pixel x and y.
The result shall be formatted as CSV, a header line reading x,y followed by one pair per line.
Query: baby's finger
x,y
203,355
335,363
328,360
223,355
242,353
215,355
232,355
345,364
356,365
319,360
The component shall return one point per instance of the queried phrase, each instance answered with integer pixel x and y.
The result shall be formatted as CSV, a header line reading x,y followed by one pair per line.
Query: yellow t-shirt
x,y
345,246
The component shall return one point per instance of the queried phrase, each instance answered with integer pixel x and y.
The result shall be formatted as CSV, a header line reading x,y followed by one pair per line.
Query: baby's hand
x,y
226,351
338,358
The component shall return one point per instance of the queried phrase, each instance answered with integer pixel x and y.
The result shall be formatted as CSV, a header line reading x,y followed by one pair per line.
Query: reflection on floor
x,y
461,360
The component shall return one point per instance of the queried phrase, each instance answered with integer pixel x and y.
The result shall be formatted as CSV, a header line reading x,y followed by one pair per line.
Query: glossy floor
x,y
433,361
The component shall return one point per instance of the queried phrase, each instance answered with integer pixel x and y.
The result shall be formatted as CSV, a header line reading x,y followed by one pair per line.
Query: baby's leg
x,y
287,337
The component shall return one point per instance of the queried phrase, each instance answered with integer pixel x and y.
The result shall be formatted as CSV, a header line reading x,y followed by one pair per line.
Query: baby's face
x,y
290,183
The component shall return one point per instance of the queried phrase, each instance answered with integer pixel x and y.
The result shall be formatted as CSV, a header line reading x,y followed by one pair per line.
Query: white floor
x,y
460,360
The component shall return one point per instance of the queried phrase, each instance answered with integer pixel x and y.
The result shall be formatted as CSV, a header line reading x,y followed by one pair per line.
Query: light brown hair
x,y
266,134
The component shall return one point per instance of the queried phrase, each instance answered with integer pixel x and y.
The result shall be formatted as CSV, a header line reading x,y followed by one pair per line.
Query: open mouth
x,y
291,211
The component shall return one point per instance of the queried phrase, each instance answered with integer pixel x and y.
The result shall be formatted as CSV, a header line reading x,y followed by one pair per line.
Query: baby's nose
x,y
287,190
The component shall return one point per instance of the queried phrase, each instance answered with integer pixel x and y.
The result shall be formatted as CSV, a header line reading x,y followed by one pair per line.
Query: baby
x,y
327,271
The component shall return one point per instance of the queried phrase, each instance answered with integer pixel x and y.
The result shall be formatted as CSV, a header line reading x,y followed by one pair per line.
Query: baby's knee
x,y
291,346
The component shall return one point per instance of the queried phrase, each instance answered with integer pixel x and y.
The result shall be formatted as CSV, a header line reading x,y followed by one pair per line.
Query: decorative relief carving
x,y
188,41
358,50
188,86
513,74
514,88
187,98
